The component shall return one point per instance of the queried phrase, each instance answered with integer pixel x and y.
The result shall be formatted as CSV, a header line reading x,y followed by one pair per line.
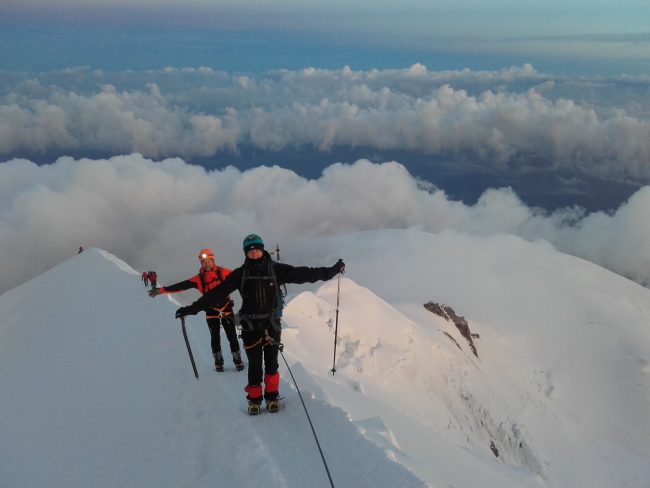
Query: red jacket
x,y
204,282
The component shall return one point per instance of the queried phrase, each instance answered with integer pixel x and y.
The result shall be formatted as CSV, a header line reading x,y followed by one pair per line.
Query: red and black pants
x,y
261,339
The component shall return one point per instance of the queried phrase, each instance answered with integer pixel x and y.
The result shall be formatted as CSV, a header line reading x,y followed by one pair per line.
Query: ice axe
x,y
189,349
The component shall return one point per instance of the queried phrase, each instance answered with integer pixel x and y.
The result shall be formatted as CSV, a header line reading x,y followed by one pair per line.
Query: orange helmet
x,y
206,254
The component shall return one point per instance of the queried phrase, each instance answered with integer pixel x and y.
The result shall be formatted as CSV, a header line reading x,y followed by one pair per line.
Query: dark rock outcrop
x,y
494,449
448,313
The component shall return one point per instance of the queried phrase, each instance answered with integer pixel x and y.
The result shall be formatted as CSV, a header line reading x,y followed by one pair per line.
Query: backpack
x,y
280,293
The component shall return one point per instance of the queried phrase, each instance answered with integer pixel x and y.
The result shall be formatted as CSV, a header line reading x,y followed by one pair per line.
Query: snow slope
x,y
561,386
98,390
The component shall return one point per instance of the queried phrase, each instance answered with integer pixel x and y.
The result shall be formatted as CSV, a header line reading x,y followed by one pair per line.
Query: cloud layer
x,y
157,215
514,117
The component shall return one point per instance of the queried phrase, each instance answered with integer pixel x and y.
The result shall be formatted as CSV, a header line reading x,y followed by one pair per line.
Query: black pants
x,y
262,356
228,323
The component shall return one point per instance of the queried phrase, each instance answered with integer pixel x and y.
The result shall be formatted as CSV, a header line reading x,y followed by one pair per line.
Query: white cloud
x,y
111,121
515,115
157,215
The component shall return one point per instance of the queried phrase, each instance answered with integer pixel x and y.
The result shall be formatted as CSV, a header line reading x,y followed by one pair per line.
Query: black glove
x,y
154,292
183,311
339,267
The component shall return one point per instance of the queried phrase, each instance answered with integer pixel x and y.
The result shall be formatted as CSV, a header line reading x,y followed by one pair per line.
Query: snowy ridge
x,y
100,389
117,261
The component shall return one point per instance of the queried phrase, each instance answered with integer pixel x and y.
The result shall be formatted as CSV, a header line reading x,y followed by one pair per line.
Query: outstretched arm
x,y
302,274
215,297
176,287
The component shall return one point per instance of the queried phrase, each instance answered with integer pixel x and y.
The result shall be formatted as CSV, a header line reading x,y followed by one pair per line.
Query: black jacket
x,y
257,287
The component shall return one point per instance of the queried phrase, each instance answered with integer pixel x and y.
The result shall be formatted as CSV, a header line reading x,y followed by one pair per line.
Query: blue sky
x,y
563,37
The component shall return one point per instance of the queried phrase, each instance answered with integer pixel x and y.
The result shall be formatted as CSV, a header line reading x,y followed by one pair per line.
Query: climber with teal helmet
x,y
258,281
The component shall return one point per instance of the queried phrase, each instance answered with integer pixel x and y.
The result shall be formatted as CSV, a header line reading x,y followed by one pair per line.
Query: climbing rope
x,y
280,348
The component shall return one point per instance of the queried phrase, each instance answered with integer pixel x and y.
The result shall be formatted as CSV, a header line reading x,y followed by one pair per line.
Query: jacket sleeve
x,y
286,273
181,285
218,295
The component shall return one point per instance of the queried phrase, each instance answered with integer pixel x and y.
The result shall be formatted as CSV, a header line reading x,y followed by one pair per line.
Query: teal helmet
x,y
253,241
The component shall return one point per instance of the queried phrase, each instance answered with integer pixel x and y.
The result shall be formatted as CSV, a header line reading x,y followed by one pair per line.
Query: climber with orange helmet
x,y
219,314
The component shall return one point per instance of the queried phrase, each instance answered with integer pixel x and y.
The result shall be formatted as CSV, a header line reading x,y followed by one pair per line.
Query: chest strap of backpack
x,y
220,312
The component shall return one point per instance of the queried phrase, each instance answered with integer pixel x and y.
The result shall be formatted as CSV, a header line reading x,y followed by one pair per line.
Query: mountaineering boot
x,y
254,398
253,408
236,358
272,406
218,361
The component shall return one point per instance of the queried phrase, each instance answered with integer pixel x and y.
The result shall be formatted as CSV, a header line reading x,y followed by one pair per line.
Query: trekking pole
x,y
336,327
189,349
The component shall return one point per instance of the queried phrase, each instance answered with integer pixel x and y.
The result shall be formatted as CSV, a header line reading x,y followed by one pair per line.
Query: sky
x,y
558,385
573,36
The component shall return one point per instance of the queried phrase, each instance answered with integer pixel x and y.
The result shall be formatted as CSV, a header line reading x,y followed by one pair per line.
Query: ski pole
x,y
336,327
189,349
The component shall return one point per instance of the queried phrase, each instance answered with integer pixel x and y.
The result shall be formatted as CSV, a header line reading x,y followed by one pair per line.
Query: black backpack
x,y
280,293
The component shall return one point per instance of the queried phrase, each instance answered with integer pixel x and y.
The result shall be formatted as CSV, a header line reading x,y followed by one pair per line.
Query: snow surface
x,y
98,389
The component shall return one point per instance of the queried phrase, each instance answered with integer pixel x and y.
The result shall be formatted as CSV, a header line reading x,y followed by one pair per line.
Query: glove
x,y
339,267
183,311
154,292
